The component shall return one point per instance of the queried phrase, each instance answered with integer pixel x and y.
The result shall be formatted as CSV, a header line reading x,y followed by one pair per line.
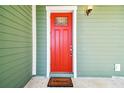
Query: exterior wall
x,y
41,40
15,45
99,41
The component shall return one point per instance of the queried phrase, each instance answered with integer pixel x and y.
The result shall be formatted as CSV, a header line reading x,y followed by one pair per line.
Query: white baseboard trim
x,y
118,77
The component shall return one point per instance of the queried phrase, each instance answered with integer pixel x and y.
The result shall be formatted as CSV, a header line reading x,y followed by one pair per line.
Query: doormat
x,y
60,82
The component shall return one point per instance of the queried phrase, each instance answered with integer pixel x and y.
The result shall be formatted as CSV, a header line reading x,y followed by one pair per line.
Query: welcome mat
x,y
60,82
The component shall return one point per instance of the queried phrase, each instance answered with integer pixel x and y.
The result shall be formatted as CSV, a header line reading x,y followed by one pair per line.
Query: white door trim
x,y
33,39
73,9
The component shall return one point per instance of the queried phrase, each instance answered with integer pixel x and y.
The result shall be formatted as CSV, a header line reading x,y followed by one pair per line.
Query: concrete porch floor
x,y
41,82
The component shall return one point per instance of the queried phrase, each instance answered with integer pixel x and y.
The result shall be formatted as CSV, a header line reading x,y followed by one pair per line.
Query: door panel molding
x,y
73,9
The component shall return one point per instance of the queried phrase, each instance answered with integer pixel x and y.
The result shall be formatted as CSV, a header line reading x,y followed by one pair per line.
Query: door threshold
x,y
61,75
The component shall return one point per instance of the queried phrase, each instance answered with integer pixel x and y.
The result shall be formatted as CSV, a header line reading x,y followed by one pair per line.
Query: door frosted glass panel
x,y
61,21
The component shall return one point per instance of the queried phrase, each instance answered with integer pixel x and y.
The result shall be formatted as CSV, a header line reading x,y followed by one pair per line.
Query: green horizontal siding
x,y
100,41
41,40
15,45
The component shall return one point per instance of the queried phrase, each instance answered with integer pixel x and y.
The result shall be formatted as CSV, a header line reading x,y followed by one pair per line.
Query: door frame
x,y
63,9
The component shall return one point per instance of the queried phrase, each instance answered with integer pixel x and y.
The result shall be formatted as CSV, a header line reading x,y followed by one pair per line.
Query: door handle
x,y
71,52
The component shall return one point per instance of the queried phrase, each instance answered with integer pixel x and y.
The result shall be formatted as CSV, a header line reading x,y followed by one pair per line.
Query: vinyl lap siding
x,y
100,41
41,40
15,45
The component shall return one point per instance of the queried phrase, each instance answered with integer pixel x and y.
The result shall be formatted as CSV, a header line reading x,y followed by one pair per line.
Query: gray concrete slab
x,y
41,82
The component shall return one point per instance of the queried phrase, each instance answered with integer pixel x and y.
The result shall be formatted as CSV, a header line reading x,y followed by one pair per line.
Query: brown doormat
x,y
60,82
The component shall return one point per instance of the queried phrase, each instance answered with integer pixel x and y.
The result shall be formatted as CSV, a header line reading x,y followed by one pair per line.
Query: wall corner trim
x,y
33,39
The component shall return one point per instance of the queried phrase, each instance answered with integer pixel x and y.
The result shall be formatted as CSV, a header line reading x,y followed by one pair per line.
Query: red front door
x,y
61,42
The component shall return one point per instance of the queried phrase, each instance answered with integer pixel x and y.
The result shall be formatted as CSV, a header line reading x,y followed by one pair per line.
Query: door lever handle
x,y
70,49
